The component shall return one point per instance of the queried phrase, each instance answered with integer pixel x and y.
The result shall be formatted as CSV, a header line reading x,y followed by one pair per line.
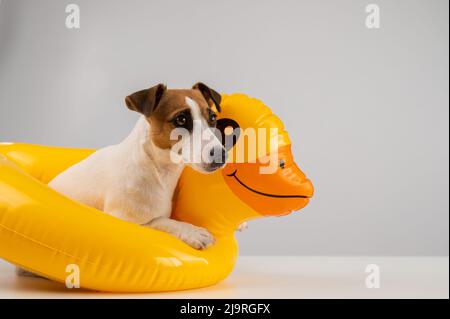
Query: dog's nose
x,y
218,156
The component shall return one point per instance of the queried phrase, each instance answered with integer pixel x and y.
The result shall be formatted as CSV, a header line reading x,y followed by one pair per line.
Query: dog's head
x,y
183,121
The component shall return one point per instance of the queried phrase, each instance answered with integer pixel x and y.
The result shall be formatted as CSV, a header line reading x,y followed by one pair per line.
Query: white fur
x,y
208,140
133,181
195,109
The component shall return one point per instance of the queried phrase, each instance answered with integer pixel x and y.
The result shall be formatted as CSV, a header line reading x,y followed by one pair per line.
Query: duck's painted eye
x,y
230,132
282,163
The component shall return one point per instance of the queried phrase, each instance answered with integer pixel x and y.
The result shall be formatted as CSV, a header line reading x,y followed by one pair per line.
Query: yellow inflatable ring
x,y
44,232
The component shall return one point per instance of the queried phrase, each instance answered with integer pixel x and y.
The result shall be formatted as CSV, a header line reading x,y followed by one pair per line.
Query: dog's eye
x,y
282,164
180,120
212,118
183,120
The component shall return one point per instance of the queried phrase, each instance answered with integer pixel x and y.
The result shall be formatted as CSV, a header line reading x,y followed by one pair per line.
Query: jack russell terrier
x,y
135,180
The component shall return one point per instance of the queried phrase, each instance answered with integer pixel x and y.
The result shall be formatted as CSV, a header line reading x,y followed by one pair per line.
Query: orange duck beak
x,y
285,190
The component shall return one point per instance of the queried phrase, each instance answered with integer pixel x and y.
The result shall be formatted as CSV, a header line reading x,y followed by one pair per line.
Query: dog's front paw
x,y
196,237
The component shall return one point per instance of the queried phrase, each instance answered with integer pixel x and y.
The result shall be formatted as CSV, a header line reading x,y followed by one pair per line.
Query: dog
x,y
135,180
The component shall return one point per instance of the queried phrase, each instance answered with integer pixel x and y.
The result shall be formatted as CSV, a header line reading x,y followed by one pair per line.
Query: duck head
x,y
259,179
285,190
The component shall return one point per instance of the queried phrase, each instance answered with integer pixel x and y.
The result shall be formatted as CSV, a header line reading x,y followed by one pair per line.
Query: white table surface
x,y
280,277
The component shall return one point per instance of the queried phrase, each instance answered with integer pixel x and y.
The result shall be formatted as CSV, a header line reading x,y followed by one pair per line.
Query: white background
x,y
367,110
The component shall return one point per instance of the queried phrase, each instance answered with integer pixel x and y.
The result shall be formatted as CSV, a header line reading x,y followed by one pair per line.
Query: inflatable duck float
x,y
46,233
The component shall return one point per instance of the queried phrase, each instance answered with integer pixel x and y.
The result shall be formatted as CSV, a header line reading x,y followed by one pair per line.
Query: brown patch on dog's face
x,y
174,112
167,109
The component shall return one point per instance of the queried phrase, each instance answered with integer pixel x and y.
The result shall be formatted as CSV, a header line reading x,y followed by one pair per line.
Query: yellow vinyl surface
x,y
44,232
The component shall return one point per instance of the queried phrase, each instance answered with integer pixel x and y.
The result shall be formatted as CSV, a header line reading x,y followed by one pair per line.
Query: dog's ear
x,y
146,101
211,96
